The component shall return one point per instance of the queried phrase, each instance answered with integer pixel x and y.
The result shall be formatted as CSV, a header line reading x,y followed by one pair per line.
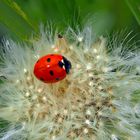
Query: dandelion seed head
x,y
95,97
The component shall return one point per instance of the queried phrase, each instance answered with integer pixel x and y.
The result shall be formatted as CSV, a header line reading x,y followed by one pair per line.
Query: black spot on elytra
x,y
37,61
51,73
48,59
57,79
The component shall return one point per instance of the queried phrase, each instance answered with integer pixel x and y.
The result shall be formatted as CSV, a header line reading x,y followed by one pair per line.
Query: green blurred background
x,y
20,18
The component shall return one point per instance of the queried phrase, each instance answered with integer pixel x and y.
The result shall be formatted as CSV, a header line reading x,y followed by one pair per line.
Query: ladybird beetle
x,y
52,68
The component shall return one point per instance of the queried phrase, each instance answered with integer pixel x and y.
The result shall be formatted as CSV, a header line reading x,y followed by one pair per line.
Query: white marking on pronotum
x,y
62,61
63,67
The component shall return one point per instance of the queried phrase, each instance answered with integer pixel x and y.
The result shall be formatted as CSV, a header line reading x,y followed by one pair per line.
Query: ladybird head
x,y
67,65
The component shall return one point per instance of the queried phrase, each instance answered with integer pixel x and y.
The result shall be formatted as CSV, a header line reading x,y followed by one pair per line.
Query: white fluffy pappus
x,y
97,100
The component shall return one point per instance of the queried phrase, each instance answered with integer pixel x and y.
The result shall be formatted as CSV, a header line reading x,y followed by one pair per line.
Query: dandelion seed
x,y
25,70
105,69
80,38
114,137
78,66
31,86
36,56
17,81
73,107
34,97
99,113
106,59
7,43
27,94
71,47
38,105
60,120
65,112
89,66
98,57
23,124
98,104
86,50
90,83
100,87
44,98
80,105
88,112
53,137
53,46
85,130
28,78
95,51
87,122
90,74
101,124
72,134
55,112
39,90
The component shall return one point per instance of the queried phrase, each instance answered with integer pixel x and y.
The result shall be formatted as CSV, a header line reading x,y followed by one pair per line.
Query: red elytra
x,y
52,68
